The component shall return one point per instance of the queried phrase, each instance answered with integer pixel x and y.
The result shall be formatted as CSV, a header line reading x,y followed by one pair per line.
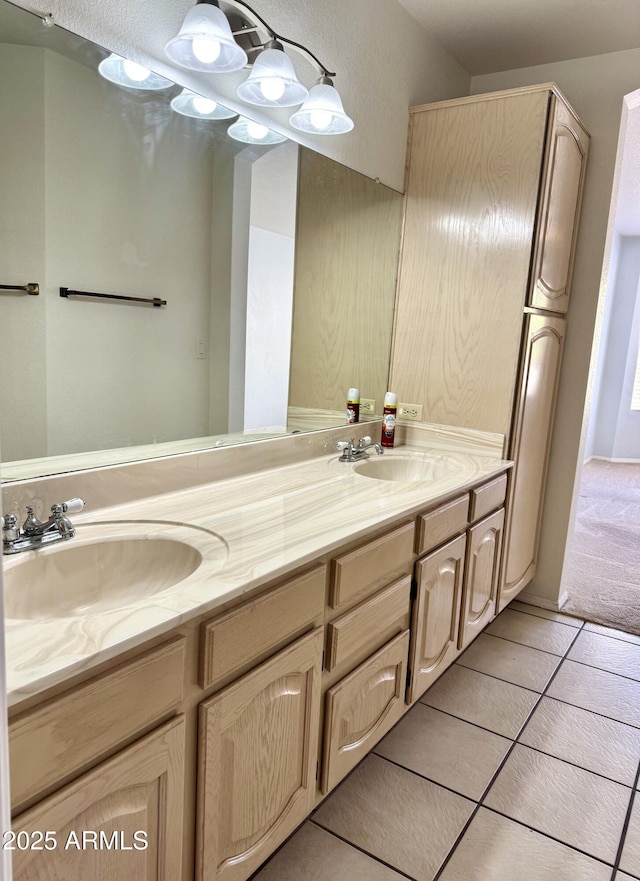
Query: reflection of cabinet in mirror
x,y
493,198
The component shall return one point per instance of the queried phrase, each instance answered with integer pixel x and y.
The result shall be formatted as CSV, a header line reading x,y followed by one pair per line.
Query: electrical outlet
x,y
411,412
367,406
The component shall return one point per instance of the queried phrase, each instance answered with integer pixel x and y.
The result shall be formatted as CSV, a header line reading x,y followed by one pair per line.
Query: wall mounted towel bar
x,y
32,288
152,301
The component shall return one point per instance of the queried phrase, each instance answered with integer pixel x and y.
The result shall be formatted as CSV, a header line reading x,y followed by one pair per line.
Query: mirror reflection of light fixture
x,y
189,103
250,132
322,113
205,41
272,81
124,72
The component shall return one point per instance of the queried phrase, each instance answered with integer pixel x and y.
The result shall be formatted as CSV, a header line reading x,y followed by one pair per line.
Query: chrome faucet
x,y
353,453
34,533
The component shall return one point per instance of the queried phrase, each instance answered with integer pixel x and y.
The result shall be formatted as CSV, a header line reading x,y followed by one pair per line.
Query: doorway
x,y
602,564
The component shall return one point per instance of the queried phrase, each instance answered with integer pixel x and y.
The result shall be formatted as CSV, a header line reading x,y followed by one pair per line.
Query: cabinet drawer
x,y
246,635
488,498
437,526
362,707
91,720
364,628
366,568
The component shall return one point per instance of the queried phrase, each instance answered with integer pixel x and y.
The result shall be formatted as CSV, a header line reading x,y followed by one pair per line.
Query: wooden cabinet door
x,y
257,761
436,615
481,576
544,336
559,210
362,707
97,821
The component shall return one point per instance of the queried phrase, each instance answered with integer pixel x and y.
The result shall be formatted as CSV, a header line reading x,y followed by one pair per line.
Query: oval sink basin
x,y
91,574
406,467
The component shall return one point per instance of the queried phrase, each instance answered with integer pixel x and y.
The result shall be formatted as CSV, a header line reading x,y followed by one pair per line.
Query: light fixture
x,y
189,103
250,132
217,40
272,81
205,41
322,113
128,73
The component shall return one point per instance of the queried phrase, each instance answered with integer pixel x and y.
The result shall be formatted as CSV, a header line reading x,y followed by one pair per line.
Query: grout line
x,y
538,617
527,646
625,825
467,721
428,779
550,837
602,670
482,673
362,850
582,621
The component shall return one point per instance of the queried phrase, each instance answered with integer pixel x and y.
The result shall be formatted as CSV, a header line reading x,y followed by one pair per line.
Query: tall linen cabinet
x,y
493,192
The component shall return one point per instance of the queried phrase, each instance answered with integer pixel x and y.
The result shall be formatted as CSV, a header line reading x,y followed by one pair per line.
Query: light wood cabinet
x,y
102,821
493,191
362,707
530,449
558,222
481,577
435,617
257,761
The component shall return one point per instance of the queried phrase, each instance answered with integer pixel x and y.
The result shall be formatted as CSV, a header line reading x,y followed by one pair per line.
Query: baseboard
x,y
543,602
615,461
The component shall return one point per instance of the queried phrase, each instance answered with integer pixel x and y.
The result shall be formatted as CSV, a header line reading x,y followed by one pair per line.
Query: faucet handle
x,y
364,442
73,506
343,445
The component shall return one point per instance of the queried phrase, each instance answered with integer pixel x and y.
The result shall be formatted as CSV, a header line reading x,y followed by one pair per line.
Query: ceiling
x,y
493,35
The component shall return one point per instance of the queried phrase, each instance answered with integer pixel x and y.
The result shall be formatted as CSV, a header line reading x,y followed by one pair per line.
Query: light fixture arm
x,y
274,36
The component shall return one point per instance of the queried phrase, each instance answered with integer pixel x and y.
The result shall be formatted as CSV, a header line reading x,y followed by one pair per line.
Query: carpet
x,y
602,571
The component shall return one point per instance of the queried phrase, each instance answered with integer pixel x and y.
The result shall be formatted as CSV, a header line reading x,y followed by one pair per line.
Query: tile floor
x,y
520,763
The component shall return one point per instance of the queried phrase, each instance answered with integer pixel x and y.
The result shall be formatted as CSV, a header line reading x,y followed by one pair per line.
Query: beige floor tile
x,y
614,634
594,742
546,613
313,854
397,816
446,750
481,699
572,805
598,691
620,876
497,849
612,655
630,860
519,664
537,633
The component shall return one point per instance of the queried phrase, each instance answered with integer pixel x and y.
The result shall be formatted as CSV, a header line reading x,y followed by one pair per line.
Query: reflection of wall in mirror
x,y
116,374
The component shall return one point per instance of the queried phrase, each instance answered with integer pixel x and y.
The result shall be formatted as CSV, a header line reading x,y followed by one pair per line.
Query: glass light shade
x,y
189,103
127,73
250,132
205,42
272,82
322,113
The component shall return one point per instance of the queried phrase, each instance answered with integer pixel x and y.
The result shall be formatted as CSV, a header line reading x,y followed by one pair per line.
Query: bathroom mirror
x,y
277,266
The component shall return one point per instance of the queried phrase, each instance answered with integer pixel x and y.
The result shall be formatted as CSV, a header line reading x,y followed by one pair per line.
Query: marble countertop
x,y
249,530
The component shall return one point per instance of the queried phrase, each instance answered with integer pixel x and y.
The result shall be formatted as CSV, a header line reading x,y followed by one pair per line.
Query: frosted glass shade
x,y
127,73
272,82
322,113
189,103
250,132
205,42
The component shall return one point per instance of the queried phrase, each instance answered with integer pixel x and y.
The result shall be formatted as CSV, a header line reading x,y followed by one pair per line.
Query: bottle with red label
x,y
353,405
389,419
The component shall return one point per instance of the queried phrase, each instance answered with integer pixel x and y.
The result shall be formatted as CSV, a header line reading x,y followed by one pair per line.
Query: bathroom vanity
x,y
209,719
